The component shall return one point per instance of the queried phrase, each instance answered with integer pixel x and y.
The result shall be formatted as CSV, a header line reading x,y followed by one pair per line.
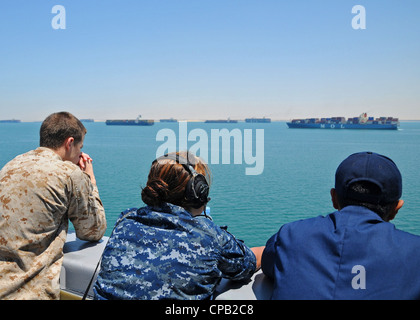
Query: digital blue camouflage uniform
x,y
166,253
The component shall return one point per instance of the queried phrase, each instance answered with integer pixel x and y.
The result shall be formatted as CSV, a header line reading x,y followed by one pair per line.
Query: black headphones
x,y
197,189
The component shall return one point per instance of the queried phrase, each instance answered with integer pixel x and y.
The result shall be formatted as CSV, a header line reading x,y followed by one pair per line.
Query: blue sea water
x,y
299,168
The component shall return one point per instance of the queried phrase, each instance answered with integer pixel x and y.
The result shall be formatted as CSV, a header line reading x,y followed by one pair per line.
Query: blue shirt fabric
x,y
166,253
349,254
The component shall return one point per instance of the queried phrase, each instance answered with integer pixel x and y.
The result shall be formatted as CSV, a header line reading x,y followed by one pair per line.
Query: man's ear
x,y
334,199
68,143
398,206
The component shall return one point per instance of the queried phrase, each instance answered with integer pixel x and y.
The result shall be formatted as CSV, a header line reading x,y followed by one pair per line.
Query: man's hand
x,y
85,163
83,159
258,251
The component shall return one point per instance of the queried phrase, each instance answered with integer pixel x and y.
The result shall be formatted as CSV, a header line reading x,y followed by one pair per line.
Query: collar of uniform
x,y
359,214
47,152
170,208
174,209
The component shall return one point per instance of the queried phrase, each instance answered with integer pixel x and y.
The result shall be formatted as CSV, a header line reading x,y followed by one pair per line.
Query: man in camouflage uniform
x,y
167,253
39,191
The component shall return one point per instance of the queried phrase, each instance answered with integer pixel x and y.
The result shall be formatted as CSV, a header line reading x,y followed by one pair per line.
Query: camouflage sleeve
x,y
237,261
86,211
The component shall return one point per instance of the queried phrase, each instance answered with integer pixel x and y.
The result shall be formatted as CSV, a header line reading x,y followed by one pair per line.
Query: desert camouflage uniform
x,y
166,253
38,194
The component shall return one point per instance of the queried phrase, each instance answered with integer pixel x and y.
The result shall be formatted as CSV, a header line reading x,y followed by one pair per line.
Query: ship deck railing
x,y
81,259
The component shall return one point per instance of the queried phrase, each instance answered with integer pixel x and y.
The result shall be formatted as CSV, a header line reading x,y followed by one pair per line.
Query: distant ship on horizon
x,y
10,121
168,120
221,121
258,120
130,122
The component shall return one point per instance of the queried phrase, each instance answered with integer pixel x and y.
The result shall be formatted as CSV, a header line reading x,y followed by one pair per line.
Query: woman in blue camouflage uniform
x,y
169,249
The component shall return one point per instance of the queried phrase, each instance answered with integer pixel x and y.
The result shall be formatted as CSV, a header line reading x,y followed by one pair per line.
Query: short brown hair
x,y
168,180
59,126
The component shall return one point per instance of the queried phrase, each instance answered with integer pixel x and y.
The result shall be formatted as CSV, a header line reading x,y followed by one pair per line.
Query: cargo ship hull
x,y
168,120
130,122
360,122
342,126
221,121
258,120
10,121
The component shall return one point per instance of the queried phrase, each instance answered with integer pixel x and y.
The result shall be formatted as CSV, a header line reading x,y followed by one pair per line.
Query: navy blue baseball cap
x,y
374,168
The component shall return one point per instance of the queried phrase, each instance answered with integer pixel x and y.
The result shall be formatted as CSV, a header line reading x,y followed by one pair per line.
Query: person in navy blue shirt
x,y
355,252
169,249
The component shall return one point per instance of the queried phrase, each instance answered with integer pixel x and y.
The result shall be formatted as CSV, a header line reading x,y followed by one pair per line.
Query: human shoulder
x,y
38,163
142,217
320,219
404,235
47,159
219,235
32,157
43,154
301,230
67,172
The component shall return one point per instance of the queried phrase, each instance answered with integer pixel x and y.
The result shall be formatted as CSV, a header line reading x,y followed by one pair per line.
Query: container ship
x,y
168,120
221,121
258,120
10,121
360,122
130,122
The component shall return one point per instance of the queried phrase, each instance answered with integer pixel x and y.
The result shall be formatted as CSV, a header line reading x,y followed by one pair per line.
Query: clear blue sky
x,y
197,59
